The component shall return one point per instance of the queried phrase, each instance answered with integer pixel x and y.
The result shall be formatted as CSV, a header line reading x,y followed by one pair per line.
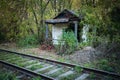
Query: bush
x,y
67,43
104,64
29,40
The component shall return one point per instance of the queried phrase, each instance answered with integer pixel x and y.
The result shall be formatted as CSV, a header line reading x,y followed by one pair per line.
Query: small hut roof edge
x,y
64,17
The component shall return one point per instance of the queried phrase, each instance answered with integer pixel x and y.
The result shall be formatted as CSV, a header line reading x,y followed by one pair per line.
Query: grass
x,y
70,77
4,57
61,59
78,69
36,78
6,54
36,67
4,75
14,59
21,60
56,74
18,60
20,63
47,70
92,76
27,64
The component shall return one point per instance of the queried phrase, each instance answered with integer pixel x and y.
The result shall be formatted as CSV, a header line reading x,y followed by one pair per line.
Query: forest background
x,y
22,18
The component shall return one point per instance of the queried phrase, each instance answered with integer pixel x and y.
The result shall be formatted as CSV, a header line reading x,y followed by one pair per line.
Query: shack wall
x,y
57,31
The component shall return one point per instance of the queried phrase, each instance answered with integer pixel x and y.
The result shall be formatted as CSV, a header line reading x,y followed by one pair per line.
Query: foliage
x,y
19,18
82,45
7,76
104,65
36,67
11,14
61,60
92,75
70,39
94,21
78,69
91,65
69,77
28,41
67,43
103,19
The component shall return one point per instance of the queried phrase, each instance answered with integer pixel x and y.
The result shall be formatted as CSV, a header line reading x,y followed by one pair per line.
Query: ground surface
x,y
85,57
78,57
33,51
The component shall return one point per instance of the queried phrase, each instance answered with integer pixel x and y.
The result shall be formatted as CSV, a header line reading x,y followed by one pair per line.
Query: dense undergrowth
x,y
105,64
67,43
7,76
28,41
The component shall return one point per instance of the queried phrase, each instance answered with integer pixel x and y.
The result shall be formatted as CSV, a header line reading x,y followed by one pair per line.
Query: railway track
x,y
20,72
51,69
12,72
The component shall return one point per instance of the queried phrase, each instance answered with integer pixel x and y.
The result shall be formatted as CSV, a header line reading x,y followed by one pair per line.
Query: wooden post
x,y
76,27
76,30
46,33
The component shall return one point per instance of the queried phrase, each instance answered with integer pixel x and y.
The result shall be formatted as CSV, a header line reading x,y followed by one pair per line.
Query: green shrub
x,y
67,43
70,39
30,40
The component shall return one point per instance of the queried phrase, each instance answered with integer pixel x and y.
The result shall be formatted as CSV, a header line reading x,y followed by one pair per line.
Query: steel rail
x,y
26,71
115,75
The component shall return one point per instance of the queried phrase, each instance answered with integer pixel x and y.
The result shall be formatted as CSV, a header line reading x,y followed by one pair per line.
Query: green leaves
x,y
68,44
28,41
10,11
7,76
78,69
69,39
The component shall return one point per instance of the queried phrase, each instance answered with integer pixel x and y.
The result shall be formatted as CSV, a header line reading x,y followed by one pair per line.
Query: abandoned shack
x,y
65,20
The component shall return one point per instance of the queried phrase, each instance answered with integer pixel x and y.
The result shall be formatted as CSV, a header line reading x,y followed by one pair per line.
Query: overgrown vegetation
x,y
69,77
23,22
104,64
7,76
67,43
28,41
27,18
78,69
